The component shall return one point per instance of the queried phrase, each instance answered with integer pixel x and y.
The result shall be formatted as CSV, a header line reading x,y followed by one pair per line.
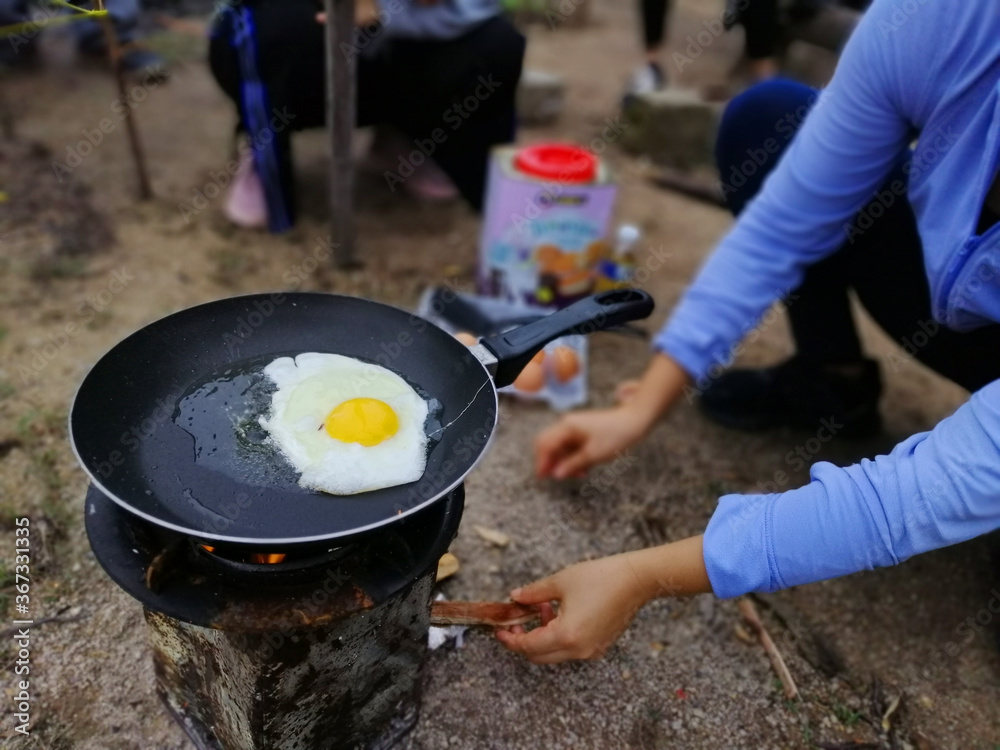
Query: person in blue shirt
x,y
885,183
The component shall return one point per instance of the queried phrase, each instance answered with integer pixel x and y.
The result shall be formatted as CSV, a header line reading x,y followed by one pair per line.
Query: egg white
x,y
309,387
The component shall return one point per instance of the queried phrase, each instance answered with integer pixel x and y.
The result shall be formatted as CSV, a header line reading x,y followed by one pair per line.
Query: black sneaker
x,y
797,393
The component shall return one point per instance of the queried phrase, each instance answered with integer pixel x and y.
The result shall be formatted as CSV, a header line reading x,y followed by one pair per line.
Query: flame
x,y
262,558
269,558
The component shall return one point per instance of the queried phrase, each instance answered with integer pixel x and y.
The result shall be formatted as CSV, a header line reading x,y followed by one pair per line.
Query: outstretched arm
x,y
934,489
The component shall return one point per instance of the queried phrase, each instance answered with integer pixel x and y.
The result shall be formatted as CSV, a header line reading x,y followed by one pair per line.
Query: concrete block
x,y
540,97
673,126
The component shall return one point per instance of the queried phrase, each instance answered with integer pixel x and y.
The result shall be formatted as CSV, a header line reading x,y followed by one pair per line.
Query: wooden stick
x,y
487,614
750,616
340,109
114,56
812,645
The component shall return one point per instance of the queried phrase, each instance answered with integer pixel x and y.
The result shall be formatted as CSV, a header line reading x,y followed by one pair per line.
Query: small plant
x,y
58,267
846,716
40,422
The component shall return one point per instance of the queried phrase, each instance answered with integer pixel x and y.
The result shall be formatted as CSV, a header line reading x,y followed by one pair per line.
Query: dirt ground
x,y
681,677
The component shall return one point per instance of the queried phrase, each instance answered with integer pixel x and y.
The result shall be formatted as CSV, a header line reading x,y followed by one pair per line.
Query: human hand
x,y
597,601
581,439
584,438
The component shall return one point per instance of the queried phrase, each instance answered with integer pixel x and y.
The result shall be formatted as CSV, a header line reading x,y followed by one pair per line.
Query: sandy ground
x,y
680,678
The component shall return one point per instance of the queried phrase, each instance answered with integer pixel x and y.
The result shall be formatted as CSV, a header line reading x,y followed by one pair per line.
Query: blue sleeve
x,y
935,489
846,147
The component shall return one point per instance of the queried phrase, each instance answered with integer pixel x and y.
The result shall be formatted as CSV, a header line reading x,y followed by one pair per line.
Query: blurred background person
x,y
21,49
442,73
763,24
650,76
760,22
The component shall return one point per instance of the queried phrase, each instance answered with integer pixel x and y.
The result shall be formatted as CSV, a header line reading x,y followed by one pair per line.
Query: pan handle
x,y
513,349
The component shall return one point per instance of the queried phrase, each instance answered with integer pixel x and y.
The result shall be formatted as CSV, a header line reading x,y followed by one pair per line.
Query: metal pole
x,y
340,103
114,55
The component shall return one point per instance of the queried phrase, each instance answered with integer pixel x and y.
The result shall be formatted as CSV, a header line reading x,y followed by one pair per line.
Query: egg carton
x,y
557,375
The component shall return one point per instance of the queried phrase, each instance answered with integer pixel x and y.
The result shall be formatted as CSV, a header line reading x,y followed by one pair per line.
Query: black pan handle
x,y
515,348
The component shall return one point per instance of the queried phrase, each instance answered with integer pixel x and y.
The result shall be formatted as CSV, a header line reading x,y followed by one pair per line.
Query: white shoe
x,y
646,79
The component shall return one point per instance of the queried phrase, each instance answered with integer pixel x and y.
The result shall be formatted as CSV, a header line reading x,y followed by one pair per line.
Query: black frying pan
x,y
162,425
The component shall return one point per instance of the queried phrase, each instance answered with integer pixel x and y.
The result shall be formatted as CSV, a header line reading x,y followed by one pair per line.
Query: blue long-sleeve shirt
x,y
928,69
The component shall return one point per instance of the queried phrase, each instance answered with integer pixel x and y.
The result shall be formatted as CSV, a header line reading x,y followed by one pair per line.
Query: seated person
x,y
847,206
442,72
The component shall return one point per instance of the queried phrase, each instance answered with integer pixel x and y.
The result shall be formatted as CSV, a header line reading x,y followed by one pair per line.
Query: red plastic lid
x,y
557,161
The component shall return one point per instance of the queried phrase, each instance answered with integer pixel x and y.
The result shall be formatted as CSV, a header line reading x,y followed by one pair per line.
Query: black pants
x,y
463,88
883,263
759,19
654,22
760,24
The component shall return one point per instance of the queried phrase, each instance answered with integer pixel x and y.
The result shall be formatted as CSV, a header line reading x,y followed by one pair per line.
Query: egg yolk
x,y
362,420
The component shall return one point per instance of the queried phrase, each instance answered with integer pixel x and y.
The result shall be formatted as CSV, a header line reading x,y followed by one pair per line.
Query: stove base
x,y
333,686
398,727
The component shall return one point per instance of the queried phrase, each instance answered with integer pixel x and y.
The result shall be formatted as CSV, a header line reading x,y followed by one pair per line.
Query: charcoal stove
x,y
303,647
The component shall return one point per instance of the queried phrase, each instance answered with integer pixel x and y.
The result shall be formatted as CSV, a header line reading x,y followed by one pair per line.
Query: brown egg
x,y
565,363
466,338
539,358
531,379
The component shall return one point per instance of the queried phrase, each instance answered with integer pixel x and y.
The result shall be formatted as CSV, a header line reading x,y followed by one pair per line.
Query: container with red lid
x,y
546,219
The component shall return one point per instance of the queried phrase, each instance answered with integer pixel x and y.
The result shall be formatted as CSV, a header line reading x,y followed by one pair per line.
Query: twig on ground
x,y
750,616
811,644
46,621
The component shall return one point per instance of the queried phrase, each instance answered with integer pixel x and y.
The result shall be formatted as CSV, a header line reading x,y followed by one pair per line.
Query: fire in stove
x,y
256,558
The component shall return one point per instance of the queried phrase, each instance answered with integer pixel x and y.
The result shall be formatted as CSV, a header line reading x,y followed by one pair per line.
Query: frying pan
x,y
166,425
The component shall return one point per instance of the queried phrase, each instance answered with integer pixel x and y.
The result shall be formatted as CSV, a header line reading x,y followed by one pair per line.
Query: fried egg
x,y
346,426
